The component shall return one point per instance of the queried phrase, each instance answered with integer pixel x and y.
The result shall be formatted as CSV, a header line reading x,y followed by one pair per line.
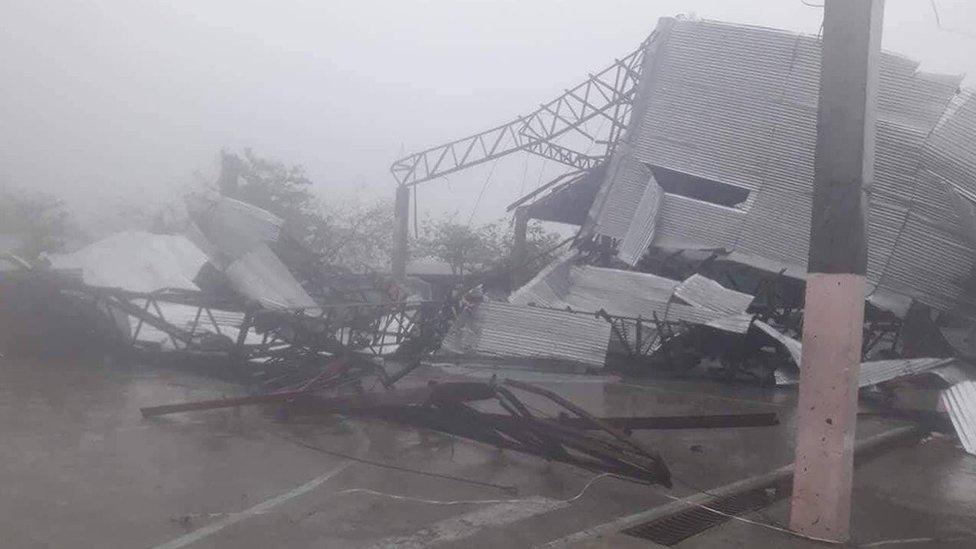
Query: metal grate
x,y
680,526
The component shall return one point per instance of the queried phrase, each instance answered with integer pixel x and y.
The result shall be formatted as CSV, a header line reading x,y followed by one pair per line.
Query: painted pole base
x,y
827,407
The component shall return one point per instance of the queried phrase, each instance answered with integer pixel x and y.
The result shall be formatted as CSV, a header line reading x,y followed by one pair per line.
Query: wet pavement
x,y
81,467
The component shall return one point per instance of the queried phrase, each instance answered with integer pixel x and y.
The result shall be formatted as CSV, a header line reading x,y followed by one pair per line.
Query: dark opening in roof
x,y
699,188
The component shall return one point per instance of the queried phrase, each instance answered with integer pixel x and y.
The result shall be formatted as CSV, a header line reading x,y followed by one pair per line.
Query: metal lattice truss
x,y
401,328
605,96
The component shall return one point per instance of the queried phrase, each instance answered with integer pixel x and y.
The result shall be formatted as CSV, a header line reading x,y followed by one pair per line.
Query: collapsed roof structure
x,y
709,161
719,155
711,150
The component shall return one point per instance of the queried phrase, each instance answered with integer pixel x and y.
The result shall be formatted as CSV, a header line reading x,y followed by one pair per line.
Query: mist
x,y
112,104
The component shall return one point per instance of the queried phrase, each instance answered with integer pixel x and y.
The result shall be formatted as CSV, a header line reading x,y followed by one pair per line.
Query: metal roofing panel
x,y
261,276
641,231
880,371
953,373
960,401
233,226
625,185
738,324
869,373
631,294
702,292
737,105
792,346
690,223
503,330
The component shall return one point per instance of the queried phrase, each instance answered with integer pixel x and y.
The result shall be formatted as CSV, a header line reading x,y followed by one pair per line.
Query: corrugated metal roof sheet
x,y
705,293
631,294
879,371
737,105
233,226
953,373
641,231
870,372
261,276
503,330
792,346
960,401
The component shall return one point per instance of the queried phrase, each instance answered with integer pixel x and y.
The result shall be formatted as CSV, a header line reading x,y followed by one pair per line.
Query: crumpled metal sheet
x,y
235,236
792,346
870,372
737,105
503,330
137,261
879,371
232,226
705,293
960,401
785,374
261,276
953,373
641,231
629,294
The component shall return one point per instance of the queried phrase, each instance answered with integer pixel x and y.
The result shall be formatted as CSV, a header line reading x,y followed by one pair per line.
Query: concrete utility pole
x,y
401,231
834,310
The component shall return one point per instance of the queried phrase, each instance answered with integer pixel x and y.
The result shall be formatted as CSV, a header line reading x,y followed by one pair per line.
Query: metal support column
x,y
401,219
834,309
518,247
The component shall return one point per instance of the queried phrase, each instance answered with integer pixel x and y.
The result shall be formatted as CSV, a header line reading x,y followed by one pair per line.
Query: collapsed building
x,y
689,259
696,220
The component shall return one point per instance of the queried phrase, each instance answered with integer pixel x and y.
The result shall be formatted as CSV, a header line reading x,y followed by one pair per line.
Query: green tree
x,y
352,234
465,248
482,248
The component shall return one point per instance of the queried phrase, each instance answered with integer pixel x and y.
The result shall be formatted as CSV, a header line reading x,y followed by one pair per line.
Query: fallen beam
x,y
151,411
638,423
438,393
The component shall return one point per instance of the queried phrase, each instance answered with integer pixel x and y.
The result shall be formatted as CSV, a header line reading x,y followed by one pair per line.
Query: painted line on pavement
x,y
469,524
264,506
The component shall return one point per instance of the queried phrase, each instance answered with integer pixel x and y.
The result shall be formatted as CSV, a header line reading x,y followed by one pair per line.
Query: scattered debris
x,y
689,261
447,407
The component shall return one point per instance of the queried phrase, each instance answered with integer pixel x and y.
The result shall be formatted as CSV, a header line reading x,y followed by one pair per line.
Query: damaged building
x,y
694,225
669,329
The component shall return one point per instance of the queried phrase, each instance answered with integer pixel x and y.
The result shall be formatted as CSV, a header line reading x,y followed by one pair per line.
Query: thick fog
x,y
116,102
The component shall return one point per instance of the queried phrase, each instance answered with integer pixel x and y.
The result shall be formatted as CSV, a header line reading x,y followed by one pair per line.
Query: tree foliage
x,y
359,236
39,219
482,248
465,248
349,234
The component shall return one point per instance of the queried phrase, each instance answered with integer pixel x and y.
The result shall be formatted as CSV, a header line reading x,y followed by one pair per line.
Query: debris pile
x,y
695,242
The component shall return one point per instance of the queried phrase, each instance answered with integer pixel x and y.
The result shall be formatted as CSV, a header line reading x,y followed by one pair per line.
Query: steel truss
x,y
399,329
606,96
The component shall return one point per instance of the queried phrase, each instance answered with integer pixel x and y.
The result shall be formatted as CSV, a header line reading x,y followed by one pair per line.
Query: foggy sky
x,y
113,102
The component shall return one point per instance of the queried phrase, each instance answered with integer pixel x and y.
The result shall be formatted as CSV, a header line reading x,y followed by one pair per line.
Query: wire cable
x,y
582,492
471,501
484,187
775,527
503,487
938,23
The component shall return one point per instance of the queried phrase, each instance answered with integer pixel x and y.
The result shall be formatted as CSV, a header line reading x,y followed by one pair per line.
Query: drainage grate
x,y
680,526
